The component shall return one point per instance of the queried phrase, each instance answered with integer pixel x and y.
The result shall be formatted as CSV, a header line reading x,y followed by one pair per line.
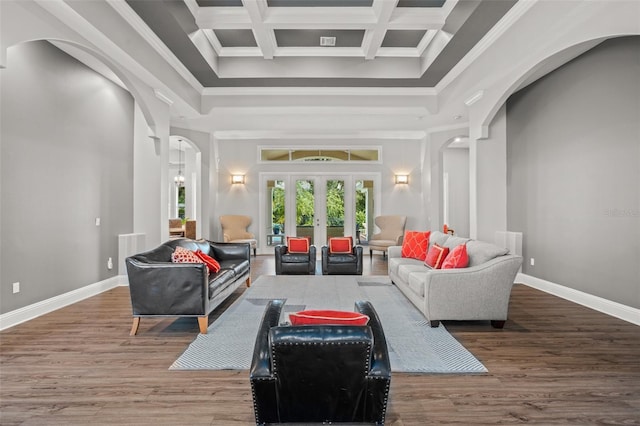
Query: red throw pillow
x,y
298,245
415,243
457,258
211,263
340,245
436,256
182,255
328,318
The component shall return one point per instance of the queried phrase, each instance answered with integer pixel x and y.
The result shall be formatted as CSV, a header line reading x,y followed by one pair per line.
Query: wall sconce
x,y
402,179
237,179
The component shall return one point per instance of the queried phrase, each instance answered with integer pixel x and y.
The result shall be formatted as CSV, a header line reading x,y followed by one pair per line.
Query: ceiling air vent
x,y
327,41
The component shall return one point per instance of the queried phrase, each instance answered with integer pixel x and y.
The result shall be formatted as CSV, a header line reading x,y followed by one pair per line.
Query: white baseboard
x,y
44,307
615,309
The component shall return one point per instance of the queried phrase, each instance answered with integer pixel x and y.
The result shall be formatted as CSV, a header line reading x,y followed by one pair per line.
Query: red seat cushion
x,y
298,245
211,263
415,243
340,245
436,256
328,317
457,258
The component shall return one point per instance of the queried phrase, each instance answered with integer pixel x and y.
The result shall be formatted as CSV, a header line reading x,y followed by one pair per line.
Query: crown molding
x,y
318,134
320,91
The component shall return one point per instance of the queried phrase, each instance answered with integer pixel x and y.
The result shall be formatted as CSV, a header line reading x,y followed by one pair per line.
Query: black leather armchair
x,y
314,373
160,288
342,263
295,263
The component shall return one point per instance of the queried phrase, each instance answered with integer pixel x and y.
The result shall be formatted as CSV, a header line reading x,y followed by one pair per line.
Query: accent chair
x,y
321,374
234,230
288,263
391,233
337,260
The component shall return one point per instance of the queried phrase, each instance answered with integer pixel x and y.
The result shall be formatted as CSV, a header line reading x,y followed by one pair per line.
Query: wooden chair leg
x,y
203,323
134,326
248,282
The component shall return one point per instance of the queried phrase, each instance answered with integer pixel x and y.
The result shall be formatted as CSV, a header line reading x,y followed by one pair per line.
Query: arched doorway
x,y
184,189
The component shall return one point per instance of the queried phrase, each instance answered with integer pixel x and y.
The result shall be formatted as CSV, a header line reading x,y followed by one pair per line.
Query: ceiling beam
x,y
373,37
265,37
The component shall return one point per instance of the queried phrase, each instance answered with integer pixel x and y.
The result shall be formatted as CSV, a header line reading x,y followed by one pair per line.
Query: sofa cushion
x,y
436,256
298,245
417,280
328,317
237,266
219,281
295,258
457,258
341,258
405,270
414,244
438,238
480,252
396,262
453,242
340,245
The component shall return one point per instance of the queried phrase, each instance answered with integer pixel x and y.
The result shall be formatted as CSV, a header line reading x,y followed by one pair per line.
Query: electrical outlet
x,y
97,221
16,288
533,261
110,264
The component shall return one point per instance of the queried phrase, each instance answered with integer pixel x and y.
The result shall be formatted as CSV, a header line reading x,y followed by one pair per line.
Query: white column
x,y
488,178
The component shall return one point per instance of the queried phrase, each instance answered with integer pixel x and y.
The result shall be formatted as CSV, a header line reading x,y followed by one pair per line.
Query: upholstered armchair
x,y
234,230
295,263
391,232
338,260
320,373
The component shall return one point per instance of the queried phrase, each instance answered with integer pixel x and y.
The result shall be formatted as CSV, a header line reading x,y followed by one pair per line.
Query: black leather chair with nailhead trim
x,y
320,373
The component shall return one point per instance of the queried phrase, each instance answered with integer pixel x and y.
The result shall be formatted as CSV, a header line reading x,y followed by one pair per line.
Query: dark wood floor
x,y
555,362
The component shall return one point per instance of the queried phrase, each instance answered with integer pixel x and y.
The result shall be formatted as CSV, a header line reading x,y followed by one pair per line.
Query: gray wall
x,y
66,152
397,156
574,172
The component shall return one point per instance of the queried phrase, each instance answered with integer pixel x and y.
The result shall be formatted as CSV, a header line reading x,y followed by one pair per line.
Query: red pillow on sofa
x,y
457,258
340,245
436,256
211,263
415,243
298,245
182,255
328,317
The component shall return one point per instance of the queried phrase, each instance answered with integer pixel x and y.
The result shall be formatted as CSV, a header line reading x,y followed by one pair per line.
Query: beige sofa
x,y
479,292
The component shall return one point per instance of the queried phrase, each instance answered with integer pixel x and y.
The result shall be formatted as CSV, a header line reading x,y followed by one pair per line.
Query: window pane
x,y
305,209
335,208
274,155
364,210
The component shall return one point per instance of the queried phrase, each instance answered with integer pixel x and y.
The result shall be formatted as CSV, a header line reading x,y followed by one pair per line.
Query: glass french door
x,y
320,208
317,207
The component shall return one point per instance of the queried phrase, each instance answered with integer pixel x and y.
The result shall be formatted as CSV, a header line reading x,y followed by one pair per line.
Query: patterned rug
x,y
413,345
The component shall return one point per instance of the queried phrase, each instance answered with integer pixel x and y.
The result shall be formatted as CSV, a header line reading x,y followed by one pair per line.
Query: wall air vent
x,y
327,41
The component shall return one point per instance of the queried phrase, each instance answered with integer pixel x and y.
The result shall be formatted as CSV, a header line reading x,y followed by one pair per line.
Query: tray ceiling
x,y
378,43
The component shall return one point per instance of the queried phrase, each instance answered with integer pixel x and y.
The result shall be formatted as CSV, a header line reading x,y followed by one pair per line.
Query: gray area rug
x,y
414,346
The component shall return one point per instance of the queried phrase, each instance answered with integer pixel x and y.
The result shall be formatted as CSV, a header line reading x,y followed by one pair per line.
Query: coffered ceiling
x,y
260,43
